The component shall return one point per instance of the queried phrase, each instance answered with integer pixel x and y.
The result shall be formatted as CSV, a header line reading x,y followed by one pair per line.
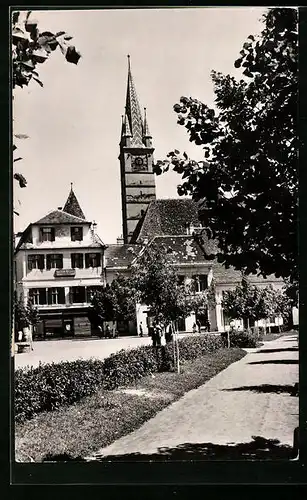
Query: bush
x,y
241,338
51,386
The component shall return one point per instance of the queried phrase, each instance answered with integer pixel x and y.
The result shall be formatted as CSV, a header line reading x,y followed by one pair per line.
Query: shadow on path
x,y
275,362
267,388
281,349
259,448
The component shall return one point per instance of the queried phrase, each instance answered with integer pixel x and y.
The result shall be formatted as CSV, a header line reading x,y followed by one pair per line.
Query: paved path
x,y
235,405
49,351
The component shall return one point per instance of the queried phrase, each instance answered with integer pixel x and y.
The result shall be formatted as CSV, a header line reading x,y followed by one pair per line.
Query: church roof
x,y
72,206
168,217
61,217
133,111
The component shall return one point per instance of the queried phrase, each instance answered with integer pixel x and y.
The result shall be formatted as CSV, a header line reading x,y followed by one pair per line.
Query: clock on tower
x,y
139,163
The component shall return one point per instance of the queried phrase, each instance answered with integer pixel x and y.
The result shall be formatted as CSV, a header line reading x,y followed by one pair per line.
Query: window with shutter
x,y
92,260
77,260
55,261
47,234
35,261
76,233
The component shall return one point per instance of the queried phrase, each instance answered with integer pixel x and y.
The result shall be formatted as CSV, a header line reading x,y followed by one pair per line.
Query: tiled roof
x,y
169,217
231,275
120,255
72,206
184,249
97,241
60,217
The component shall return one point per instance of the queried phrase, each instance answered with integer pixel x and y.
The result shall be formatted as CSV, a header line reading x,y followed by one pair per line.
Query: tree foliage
x,y
114,302
246,302
24,314
155,279
251,303
248,180
30,48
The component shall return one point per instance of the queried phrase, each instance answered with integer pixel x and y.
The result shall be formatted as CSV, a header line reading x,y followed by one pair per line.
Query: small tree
x,y
32,313
155,278
21,317
283,306
114,302
246,302
124,298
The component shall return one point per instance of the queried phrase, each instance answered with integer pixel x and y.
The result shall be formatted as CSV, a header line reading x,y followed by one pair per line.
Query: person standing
x,y
169,334
194,327
198,326
158,334
141,329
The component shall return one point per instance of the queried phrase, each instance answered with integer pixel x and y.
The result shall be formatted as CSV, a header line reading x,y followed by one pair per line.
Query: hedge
x,y
50,386
241,338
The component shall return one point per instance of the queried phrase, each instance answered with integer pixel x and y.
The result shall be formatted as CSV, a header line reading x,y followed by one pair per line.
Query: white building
x,y
59,263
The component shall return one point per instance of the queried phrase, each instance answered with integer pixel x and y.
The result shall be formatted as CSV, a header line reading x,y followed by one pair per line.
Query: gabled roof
x,y
61,217
120,255
96,240
168,217
72,206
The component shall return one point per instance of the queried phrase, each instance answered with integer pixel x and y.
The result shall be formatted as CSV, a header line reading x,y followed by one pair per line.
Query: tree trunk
x,y
177,352
289,320
228,339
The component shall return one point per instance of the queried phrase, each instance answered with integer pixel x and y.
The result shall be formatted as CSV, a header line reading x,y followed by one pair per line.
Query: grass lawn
x,y
100,419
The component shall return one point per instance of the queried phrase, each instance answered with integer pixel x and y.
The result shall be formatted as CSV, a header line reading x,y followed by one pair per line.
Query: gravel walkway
x,y
251,397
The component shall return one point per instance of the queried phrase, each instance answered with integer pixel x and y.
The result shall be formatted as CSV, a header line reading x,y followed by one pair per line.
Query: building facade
x,y
59,262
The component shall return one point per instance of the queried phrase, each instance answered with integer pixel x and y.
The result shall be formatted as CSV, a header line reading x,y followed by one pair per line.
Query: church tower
x,y
136,162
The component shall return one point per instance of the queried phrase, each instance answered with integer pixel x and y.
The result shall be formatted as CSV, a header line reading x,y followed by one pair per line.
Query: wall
x,y
62,237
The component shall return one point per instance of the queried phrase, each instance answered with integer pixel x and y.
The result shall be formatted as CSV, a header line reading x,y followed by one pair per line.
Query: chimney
x,y
94,227
120,240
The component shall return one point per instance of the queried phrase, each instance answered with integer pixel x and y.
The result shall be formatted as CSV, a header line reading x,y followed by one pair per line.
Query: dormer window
x,y
76,233
47,234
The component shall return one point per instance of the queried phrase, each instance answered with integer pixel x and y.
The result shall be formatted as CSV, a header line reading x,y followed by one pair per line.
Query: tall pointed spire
x,y
146,133
72,206
133,111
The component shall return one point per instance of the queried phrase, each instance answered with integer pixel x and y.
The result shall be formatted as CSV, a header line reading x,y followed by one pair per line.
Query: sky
x,y
74,121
